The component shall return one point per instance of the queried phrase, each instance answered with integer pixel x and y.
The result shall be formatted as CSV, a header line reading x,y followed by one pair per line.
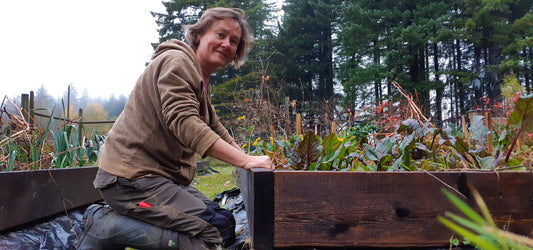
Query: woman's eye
x,y
220,35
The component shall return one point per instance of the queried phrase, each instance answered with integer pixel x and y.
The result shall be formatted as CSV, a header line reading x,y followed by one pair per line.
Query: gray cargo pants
x,y
202,224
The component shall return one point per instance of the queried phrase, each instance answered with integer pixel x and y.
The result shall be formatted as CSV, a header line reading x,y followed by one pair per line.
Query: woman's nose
x,y
226,43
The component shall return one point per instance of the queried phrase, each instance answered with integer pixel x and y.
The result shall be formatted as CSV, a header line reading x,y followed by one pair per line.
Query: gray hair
x,y
213,14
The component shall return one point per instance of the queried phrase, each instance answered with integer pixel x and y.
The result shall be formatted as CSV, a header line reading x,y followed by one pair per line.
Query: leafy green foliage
x,y
413,146
308,152
56,145
478,230
510,87
523,117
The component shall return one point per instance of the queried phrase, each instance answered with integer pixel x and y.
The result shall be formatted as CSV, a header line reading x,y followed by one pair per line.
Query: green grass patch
x,y
214,183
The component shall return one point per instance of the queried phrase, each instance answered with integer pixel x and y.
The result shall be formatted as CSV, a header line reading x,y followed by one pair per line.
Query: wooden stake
x,y
471,115
465,129
25,103
32,108
333,127
488,124
272,132
298,124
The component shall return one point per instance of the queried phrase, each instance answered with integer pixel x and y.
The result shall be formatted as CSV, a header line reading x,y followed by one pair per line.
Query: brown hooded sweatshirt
x,y
167,118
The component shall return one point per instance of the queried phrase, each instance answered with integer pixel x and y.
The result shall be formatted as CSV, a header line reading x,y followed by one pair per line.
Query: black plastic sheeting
x,y
62,231
233,201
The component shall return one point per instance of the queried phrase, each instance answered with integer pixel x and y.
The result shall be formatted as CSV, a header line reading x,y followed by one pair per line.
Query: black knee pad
x,y
222,219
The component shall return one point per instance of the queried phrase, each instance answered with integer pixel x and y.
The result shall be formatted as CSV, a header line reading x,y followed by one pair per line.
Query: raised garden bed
x,y
30,195
374,209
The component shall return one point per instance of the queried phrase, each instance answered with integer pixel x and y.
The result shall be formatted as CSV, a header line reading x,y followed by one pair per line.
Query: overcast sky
x,y
98,45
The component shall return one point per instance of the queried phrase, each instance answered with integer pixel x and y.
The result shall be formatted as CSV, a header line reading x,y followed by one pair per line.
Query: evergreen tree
x,y
363,46
519,53
114,106
306,46
43,99
84,99
385,41
177,14
487,25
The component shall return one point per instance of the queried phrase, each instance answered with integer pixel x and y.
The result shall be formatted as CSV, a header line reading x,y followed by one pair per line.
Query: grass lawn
x,y
214,183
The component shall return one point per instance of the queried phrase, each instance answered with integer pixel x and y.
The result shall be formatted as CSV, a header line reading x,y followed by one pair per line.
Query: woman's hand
x,y
233,154
262,161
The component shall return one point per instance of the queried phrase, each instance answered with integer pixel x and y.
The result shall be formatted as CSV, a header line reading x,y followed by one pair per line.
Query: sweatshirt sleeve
x,y
178,82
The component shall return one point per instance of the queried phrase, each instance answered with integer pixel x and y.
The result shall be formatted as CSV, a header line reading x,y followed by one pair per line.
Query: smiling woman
x,y
149,154
218,44
244,44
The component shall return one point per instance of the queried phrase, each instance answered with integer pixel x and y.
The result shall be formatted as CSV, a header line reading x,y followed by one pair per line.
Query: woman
x,y
147,161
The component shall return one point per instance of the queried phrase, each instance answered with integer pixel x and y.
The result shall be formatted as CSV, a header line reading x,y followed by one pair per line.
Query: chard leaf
x,y
409,125
523,113
308,151
331,161
461,146
503,141
330,144
405,147
479,131
382,150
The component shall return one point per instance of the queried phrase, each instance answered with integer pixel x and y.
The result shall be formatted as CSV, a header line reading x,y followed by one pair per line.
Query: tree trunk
x,y
438,86
377,80
460,88
529,72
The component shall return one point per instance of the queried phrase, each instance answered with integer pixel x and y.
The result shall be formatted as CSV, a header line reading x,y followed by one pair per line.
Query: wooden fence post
x,y
24,102
68,104
298,124
31,108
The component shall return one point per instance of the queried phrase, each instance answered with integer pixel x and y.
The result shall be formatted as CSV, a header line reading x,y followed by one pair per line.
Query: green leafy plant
x,y
12,155
480,230
522,116
67,145
38,142
93,147
413,146
55,145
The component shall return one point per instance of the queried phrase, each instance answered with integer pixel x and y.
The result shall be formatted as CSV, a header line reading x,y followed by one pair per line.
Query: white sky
x,y
98,45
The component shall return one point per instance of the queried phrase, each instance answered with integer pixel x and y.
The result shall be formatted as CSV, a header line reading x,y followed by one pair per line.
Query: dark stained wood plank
x,y
257,187
336,209
29,195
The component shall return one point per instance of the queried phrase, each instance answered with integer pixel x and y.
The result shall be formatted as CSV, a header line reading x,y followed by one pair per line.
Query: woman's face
x,y
218,44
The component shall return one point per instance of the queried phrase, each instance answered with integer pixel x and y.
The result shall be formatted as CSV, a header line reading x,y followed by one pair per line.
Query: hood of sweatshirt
x,y
175,45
